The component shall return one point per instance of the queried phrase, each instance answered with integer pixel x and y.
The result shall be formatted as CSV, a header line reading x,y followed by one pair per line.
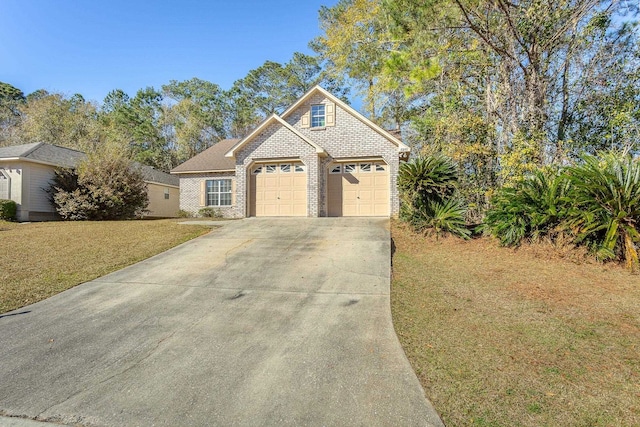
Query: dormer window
x,y
317,116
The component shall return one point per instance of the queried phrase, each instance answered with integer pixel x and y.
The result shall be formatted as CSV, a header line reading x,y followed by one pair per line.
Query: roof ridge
x,y
31,150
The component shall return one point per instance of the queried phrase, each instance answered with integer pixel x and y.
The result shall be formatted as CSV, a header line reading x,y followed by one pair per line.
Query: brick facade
x,y
190,188
349,138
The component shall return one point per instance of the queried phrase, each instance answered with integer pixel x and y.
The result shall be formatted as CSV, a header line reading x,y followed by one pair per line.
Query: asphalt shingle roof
x,y
211,159
68,158
154,175
40,151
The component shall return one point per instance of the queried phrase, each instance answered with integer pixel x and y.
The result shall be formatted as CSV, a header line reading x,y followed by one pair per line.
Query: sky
x,y
95,46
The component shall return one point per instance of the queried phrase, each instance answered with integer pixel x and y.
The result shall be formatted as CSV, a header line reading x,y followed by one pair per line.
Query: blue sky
x,y
92,47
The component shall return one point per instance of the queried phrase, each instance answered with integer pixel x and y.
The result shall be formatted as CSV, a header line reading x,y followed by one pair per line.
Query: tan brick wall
x,y
349,138
275,142
190,185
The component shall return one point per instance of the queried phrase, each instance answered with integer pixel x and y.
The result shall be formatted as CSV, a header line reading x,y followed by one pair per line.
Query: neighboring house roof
x,y
152,175
55,155
210,160
41,152
269,120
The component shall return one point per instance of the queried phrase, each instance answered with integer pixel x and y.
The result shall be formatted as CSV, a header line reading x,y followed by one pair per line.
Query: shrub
x,y
8,210
606,198
535,207
210,213
427,186
105,187
441,217
184,214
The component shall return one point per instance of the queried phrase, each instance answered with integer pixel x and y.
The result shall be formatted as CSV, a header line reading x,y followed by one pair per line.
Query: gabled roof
x,y
153,175
41,152
402,147
210,160
274,118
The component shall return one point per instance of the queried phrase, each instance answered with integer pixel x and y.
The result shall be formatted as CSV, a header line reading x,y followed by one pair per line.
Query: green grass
x,y
503,337
42,259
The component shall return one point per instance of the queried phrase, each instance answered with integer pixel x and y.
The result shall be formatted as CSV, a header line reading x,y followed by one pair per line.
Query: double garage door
x,y
358,189
353,189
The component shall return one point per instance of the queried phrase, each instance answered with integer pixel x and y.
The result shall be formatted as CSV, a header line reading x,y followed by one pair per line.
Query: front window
x,y
219,192
317,116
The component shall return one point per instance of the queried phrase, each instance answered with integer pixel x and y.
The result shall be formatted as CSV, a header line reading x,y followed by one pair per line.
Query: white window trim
x,y
323,116
218,192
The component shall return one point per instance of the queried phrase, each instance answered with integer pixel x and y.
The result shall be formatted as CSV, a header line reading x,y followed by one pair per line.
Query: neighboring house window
x,y
5,185
166,193
317,116
219,192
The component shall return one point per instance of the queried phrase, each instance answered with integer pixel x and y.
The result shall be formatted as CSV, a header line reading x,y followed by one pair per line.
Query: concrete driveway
x,y
261,322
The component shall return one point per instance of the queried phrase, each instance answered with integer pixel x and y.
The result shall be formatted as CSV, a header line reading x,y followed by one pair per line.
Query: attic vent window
x,y
317,116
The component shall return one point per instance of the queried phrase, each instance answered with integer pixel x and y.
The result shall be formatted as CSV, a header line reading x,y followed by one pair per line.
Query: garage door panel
x,y
362,191
279,190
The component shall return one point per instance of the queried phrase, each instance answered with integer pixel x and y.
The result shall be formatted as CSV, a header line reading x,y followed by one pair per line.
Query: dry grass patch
x,y
43,259
503,337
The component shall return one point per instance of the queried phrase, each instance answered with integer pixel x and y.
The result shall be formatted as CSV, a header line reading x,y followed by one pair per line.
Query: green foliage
x,y
8,210
10,93
427,187
198,117
440,217
596,202
105,187
184,214
533,208
606,197
428,178
60,120
210,213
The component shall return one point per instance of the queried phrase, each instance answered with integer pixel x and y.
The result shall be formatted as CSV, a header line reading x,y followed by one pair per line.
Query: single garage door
x,y
358,189
279,189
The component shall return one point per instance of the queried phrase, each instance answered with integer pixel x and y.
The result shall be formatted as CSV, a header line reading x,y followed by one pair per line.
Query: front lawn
x,y
42,259
503,337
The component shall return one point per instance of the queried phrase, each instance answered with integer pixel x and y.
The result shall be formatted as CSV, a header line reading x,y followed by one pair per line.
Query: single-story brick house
x,y
318,158
26,171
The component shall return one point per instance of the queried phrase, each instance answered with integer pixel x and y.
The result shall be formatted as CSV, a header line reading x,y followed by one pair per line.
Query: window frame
x,y
214,187
317,120
352,166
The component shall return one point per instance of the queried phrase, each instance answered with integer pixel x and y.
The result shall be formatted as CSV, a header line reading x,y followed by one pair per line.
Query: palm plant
x,y
606,195
536,207
428,178
427,187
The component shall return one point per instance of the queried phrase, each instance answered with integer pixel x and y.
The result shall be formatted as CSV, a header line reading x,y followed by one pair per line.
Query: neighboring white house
x,y
26,171
320,157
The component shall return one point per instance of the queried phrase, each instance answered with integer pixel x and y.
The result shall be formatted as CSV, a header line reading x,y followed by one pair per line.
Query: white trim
x,y
204,171
402,147
162,184
40,162
231,153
